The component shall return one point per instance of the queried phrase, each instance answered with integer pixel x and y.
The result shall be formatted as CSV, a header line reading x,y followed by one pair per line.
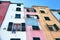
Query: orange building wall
x,y
49,35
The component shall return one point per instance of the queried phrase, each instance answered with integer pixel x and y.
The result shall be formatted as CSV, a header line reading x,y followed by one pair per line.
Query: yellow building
x,y
49,24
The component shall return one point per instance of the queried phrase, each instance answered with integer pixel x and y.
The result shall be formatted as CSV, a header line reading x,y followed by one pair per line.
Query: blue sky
x,y
52,4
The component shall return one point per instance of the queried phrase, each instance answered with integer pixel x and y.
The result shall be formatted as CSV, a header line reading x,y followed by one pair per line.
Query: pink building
x,y
33,28
3,9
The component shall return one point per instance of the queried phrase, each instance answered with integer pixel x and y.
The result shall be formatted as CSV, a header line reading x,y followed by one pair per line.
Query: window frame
x,y
42,11
35,28
47,18
18,4
36,38
0,2
18,9
15,39
17,15
10,26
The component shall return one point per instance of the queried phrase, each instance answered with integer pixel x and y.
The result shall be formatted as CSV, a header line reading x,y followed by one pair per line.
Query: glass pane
x,y
31,21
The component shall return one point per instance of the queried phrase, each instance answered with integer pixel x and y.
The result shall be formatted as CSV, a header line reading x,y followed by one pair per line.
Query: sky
x,y
52,4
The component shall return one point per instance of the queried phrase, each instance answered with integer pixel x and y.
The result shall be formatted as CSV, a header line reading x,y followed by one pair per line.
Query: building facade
x,y
21,23
13,26
48,22
33,27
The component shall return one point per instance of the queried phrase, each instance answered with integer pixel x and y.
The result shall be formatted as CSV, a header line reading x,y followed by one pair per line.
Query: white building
x,y
14,19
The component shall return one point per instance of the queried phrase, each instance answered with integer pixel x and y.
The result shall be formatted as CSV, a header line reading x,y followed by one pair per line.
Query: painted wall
x,y
3,10
47,33
30,33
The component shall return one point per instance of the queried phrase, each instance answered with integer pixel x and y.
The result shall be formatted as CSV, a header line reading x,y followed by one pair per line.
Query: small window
x,y
18,4
36,38
18,9
59,13
56,27
57,38
47,18
0,2
14,39
34,10
17,16
23,24
28,10
10,26
23,27
28,16
42,11
35,27
51,29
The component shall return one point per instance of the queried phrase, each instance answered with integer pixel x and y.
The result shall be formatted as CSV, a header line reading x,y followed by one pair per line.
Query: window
x,y
56,27
17,16
28,16
59,13
50,28
37,16
10,26
57,38
28,10
42,11
53,27
14,39
36,38
17,27
35,27
18,9
23,27
18,4
34,10
32,16
23,24
47,18
0,2
31,21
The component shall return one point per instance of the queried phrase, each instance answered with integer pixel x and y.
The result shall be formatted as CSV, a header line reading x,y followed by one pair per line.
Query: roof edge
x,y
39,6
54,9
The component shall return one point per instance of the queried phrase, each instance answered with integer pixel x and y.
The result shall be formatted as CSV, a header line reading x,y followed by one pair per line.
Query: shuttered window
x,y
10,26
